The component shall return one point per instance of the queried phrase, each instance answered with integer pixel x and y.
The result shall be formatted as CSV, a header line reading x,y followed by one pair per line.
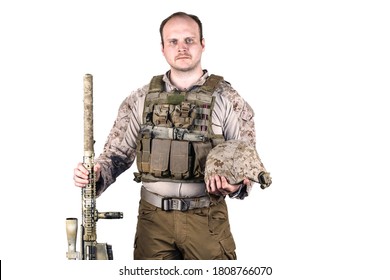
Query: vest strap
x,y
157,84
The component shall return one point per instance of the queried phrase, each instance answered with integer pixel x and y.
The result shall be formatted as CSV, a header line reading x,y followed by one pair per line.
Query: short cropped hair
x,y
181,14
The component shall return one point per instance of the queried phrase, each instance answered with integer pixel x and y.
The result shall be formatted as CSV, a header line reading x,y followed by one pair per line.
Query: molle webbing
x,y
176,134
188,109
157,84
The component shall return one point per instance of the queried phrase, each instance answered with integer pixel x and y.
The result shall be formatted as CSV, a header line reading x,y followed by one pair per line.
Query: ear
x,y
162,48
203,43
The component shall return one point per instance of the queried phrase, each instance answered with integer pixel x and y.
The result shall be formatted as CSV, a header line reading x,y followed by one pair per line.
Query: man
x,y
169,126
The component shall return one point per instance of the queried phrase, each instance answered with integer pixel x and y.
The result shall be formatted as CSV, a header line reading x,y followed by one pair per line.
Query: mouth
x,y
182,57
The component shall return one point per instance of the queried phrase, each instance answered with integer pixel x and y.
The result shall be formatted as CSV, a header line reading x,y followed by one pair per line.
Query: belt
x,y
174,203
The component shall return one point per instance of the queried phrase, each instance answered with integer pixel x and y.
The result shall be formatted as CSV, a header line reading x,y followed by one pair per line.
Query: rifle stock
x,y
90,249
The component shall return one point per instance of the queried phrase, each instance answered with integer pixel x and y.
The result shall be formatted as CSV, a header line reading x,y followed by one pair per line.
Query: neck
x,y
183,80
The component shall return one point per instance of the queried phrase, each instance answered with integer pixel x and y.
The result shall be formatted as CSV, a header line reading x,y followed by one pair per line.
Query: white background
x,y
315,72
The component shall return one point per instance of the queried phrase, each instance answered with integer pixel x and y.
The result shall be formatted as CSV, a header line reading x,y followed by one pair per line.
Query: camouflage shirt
x,y
232,117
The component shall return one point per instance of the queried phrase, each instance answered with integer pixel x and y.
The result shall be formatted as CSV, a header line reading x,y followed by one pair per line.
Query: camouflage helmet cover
x,y
236,160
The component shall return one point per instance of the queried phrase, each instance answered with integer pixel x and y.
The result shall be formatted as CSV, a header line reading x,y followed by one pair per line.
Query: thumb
x,y
97,168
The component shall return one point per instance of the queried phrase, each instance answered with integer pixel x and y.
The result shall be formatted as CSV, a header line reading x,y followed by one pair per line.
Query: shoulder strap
x,y
156,84
211,83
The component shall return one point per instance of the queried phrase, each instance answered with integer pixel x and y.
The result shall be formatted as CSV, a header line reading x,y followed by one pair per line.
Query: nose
x,y
182,47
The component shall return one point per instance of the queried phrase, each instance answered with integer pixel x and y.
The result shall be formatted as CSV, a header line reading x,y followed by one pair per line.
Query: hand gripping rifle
x,y
89,248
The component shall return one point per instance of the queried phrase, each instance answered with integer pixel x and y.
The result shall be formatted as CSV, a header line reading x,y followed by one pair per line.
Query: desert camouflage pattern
x,y
236,160
90,249
244,111
232,117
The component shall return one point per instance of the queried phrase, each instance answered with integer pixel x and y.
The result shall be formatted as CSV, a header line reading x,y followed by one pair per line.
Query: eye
x,y
189,40
172,42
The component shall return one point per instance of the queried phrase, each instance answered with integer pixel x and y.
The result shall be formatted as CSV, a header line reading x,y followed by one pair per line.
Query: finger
x,y
218,183
79,178
208,185
224,182
247,182
82,168
213,189
226,186
212,185
97,169
80,185
79,174
80,182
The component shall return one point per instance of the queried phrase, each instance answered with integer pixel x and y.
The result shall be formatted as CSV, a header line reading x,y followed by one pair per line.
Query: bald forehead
x,y
181,23
182,17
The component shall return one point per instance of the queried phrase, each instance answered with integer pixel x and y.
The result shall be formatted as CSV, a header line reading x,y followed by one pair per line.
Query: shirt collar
x,y
170,87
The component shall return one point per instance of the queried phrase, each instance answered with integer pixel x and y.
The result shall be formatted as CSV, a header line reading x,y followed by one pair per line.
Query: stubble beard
x,y
185,69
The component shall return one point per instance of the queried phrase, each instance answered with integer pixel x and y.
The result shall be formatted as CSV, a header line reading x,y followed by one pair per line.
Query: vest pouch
x,y
143,154
139,155
159,158
181,160
161,115
201,150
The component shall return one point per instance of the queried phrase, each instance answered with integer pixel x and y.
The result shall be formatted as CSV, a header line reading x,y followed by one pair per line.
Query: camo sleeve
x,y
235,115
119,151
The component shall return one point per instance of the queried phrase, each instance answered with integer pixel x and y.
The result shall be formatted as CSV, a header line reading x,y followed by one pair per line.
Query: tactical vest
x,y
176,133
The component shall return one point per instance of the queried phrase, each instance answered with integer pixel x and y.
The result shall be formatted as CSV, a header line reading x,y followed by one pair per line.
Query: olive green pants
x,y
197,234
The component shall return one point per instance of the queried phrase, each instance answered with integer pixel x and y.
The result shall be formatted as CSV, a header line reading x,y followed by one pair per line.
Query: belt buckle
x,y
170,203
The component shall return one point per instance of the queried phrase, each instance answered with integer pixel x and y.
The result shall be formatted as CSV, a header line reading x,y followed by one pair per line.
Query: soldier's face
x,y
182,44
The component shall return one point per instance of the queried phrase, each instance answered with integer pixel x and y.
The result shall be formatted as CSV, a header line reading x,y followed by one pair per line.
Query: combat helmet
x,y
236,160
